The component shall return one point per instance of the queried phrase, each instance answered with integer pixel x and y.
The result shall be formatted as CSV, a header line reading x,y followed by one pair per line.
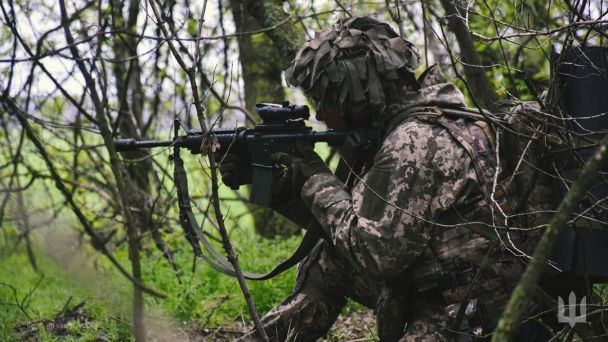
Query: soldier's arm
x,y
385,223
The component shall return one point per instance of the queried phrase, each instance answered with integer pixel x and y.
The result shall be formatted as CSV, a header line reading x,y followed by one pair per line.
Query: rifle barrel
x,y
123,145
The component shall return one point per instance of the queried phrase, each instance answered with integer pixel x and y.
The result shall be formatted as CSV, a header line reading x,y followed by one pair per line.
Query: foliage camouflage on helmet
x,y
357,62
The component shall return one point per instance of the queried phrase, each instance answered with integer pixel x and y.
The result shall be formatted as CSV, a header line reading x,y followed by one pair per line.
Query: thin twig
x,y
200,111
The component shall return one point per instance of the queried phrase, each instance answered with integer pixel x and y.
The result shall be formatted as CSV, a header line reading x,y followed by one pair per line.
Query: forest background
x,y
81,224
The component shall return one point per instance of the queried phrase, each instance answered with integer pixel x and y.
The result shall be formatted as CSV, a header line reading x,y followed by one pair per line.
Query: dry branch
x,y
200,111
96,240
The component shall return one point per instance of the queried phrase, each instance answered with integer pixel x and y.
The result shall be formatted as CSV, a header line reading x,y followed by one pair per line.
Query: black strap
x,y
352,160
195,235
460,112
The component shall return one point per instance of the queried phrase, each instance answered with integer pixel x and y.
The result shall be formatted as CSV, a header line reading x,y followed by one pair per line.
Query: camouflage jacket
x,y
409,208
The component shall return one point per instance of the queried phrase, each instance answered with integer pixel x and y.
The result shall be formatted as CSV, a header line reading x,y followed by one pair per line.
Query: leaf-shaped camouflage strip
x,y
375,93
324,82
355,83
361,66
323,50
354,63
334,73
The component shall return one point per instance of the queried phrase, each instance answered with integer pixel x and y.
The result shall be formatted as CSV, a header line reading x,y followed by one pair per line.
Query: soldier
x,y
419,237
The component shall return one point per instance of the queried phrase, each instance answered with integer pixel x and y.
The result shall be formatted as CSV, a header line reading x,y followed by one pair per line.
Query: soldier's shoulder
x,y
423,142
416,130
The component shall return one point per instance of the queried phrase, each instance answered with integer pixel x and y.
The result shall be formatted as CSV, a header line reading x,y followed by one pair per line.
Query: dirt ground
x,y
350,327
65,324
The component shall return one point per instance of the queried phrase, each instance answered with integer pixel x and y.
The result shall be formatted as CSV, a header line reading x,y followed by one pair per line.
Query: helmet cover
x,y
357,62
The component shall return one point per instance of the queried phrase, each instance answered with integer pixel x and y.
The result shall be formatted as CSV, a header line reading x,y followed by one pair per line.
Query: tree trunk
x,y
130,123
262,79
480,86
285,37
258,56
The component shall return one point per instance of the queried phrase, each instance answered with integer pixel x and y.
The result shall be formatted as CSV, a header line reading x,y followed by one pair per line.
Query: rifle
x,y
282,125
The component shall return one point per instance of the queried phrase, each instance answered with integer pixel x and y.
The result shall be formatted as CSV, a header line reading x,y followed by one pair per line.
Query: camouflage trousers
x,y
323,285
325,282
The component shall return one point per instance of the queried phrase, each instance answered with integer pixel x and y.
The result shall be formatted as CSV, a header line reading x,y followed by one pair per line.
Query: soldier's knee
x,y
319,290
322,274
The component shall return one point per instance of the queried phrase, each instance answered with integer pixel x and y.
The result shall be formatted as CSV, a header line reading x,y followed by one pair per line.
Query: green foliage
x,y
53,107
192,27
207,297
201,298
517,58
29,301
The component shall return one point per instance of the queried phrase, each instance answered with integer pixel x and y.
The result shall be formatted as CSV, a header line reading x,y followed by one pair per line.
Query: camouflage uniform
x,y
399,225
408,238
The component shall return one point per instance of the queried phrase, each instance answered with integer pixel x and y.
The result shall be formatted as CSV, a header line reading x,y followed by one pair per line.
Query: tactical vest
x,y
454,256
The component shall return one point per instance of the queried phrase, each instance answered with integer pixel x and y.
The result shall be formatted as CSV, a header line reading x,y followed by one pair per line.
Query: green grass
x,y
207,297
27,298
71,272
202,298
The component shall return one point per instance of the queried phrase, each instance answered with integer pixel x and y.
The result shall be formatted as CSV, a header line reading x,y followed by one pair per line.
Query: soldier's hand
x,y
231,171
301,166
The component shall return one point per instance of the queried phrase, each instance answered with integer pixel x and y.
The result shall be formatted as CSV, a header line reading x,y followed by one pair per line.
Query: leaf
x,y
192,27
357,93
376,95
324,49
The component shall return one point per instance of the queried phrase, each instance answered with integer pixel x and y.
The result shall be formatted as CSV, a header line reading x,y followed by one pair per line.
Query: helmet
x,y
358,63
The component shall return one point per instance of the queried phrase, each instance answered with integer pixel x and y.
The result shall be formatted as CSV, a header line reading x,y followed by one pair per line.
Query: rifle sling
x,y
195,235
357,141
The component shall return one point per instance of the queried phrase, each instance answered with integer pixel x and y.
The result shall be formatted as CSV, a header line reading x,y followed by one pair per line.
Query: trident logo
x,y
571,318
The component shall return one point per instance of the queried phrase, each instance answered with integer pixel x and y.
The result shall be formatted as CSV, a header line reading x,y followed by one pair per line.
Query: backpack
x,y
548,148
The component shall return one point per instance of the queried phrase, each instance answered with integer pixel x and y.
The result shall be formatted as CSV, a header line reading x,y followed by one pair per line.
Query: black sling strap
x,y
195,235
